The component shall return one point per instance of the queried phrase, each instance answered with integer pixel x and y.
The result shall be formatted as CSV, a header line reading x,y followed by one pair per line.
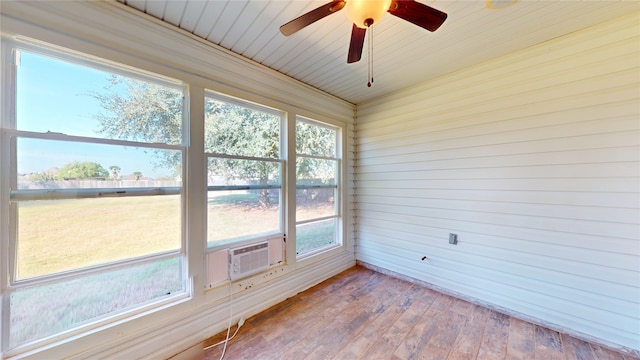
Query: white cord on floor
x,y
240,323
223,341
224,349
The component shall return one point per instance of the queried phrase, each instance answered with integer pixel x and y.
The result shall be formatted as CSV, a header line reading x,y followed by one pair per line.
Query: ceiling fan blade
x,y
312,16
356,45
418,14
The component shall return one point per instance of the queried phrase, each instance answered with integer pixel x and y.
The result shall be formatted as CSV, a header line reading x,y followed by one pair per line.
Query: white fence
x,y
96,184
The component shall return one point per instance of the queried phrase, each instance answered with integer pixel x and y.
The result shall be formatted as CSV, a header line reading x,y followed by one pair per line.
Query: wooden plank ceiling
x,y
403,54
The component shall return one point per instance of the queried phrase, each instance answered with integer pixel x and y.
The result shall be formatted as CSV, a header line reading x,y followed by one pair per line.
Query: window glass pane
x,y
80,100
316,140
315,203
59,235
44,164
241,214
316,186
237,214
315,235
242,131
311,171
44,310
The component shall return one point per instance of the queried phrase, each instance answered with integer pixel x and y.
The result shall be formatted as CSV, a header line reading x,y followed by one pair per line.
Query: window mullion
x,y
61,194
290,251
84,139
308,221
94,269
242,187
316,157
8,180
195,208
323,186
240,157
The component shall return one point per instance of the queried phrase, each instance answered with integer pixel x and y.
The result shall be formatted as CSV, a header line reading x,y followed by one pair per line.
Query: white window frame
x,y
338,201
282,187
10,196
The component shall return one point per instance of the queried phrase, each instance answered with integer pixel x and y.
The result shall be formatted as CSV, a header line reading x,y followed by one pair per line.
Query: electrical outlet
x,y
453,239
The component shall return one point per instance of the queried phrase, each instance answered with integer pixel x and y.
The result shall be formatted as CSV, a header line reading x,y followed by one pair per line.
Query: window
x,y
93,191
96,197
317,195
245,171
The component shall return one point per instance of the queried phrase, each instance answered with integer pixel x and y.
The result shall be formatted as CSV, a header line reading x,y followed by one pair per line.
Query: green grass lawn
x,y
312,236
40,311
238,216
62,235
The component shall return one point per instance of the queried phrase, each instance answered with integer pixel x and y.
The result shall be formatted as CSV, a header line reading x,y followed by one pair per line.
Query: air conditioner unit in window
x,y
248,260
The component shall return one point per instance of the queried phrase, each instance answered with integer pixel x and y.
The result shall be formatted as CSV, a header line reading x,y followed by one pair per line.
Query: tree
x,y
240,131
115,171
315,140
318,141
82,170
43,176
140,111
138,175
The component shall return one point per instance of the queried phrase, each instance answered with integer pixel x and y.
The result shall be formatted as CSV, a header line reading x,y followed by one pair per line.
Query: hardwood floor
x,y
362,314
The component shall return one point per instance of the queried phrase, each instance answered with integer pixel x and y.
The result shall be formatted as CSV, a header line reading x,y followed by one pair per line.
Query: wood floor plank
x,y
468,341
299,349
413,303
414,342
462,307
496,335
415,307
384,347
364,315
602,353
412,345
521,342
350,321
448,327
548,344
389,309
576,349
353,349
320,319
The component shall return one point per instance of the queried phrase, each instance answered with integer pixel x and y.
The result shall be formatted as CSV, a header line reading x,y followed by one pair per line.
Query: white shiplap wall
x,y
533,159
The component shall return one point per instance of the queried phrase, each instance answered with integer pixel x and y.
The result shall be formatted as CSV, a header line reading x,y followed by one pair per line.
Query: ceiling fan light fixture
x,y
364,13
499,4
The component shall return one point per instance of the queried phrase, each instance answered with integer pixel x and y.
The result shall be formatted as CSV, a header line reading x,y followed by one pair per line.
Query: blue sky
x,y
54,96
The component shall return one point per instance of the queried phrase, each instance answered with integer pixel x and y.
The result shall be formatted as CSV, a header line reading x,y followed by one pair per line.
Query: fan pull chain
x,y
370,62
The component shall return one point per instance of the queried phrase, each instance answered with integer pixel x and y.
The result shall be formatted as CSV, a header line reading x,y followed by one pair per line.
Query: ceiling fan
x,y
364,13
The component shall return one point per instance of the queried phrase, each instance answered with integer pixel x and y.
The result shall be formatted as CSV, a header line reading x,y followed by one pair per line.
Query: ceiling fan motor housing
x,y
364,13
